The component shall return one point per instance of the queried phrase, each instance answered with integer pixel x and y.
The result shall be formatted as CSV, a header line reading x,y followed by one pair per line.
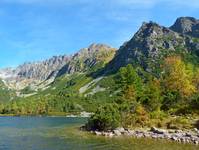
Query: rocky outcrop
x,y
187,26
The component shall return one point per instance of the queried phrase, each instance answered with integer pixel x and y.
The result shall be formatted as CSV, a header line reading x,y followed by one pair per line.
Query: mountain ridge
x,y
152,40
151,43
33,73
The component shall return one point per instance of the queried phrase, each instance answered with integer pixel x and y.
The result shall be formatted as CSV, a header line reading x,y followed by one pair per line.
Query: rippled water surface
x,y
60,133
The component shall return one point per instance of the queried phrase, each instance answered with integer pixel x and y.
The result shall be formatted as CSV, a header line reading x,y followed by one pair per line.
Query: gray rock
x,y
158,131
196,131
117,132
110,134
121,129
130,132
174,138
98,133
188,134
196,142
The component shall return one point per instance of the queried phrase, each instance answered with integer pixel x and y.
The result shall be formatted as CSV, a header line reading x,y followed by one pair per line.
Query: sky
x,y
34,30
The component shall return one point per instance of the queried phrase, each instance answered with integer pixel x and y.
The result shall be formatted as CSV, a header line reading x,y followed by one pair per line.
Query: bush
x,y
158,115
179,123
105,118
195,102
170,100
139,118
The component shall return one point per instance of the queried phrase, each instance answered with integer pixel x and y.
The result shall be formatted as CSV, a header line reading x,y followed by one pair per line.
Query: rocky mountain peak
x,y
187,26
150,41
87,58
151,30
91,50
97,47
31,73
151,38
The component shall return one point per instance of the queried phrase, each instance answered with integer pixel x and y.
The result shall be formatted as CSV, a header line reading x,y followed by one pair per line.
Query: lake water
x,y
60,133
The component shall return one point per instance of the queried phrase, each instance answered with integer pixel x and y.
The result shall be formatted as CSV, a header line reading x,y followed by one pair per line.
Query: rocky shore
x,y
155,133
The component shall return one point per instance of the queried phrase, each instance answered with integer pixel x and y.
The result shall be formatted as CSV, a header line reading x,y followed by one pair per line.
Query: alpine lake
x,y
63,133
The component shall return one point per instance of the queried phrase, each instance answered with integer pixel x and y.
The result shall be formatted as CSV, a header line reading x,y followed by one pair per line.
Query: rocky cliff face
x,y
42,70
152,41
36,70
186,26
32,74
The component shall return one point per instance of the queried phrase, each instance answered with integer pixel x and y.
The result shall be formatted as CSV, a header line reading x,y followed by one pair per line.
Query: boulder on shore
x,y
158,131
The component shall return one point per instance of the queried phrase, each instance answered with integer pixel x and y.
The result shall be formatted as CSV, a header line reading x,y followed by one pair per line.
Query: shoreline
x,y
180,136
67,115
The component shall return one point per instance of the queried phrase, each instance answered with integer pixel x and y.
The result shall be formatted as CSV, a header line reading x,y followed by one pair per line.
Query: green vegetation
x,y
5,93
164,95
133,97
143,100
106,118
61,98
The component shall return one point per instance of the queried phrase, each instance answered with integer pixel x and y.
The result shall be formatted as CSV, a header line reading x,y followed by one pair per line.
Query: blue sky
x,y
32,30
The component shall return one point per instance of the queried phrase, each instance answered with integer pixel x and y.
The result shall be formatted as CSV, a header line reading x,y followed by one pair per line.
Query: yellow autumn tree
x,y
176,77
129,93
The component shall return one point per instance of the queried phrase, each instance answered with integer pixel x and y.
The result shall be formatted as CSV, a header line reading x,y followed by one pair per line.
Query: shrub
x,y
158,115
179,123
140,111
195,102
170,100
105,118
137,119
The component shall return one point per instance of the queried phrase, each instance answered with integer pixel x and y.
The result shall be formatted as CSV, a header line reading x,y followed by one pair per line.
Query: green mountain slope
x,y
5,93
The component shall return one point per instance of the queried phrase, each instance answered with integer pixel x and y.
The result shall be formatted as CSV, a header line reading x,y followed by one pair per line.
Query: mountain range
x,y
150,44
32,74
